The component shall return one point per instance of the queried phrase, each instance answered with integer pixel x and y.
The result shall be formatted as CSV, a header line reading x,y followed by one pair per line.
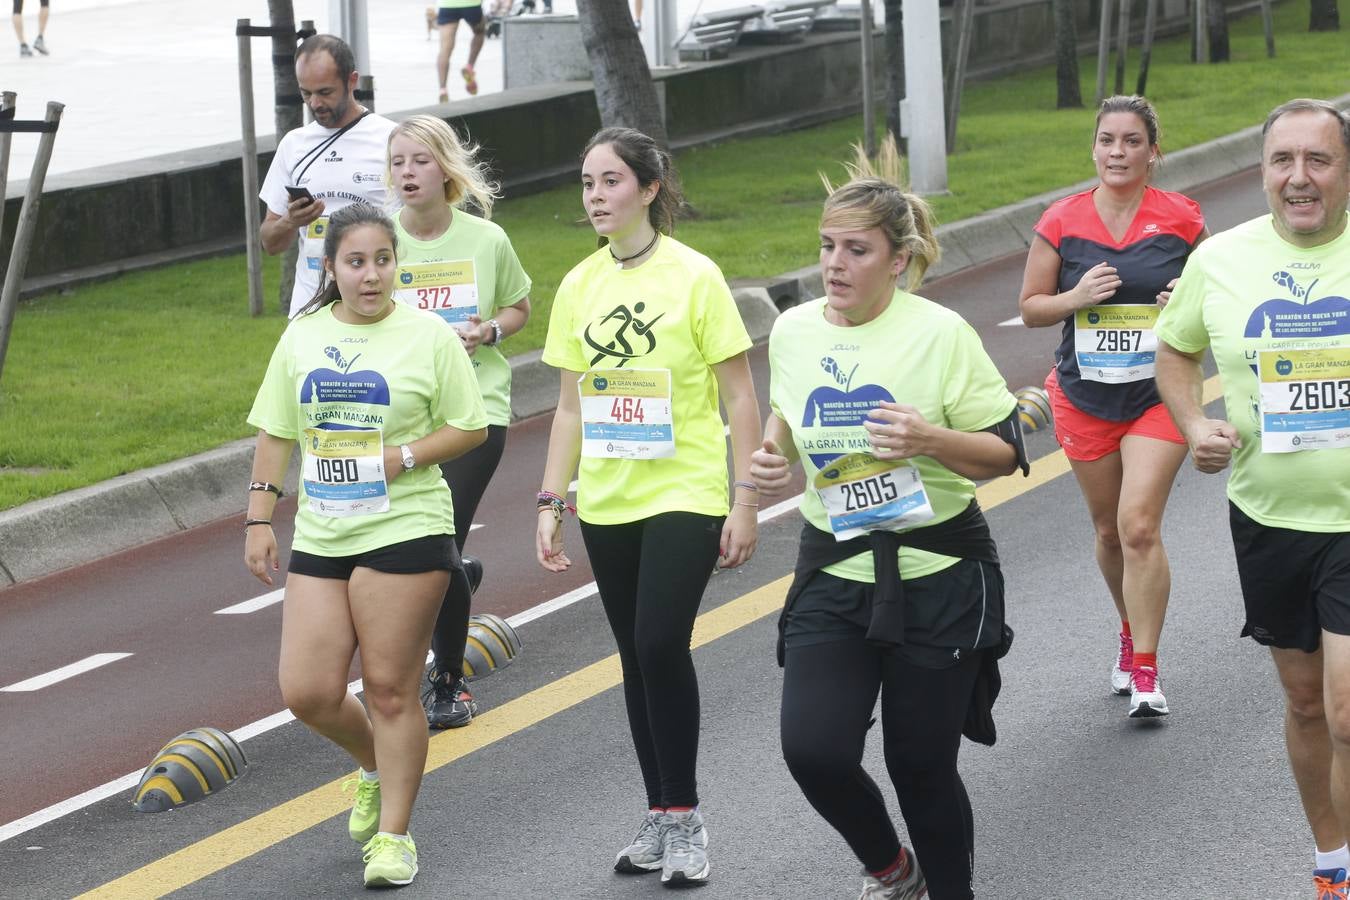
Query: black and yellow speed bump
x,y
191,766
492,644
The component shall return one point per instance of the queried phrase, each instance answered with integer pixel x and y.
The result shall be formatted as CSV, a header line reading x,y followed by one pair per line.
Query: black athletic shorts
x,y
436,552
18,6
471,14
946,614
1295,584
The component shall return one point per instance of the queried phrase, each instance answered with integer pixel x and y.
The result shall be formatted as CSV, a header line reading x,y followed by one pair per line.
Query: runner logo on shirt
x,y
621,335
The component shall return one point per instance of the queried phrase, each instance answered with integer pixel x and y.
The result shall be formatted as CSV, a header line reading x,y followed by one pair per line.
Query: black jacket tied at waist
x,y
965,536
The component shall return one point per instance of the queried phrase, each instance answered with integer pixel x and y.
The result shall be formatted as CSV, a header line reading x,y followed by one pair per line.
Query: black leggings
x,y
468,477
829,691
651,576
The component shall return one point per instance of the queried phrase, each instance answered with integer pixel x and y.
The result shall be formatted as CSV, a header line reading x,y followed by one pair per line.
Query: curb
x,y
79,526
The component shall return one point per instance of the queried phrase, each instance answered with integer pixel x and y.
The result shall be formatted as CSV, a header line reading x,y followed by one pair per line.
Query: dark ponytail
x,y
651,163
339,223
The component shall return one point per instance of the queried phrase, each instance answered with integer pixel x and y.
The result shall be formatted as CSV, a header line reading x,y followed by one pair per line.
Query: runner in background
x,y
894,409
40,45
318,169
1270,299
464,269
375,394
448,16
1101,266
647,337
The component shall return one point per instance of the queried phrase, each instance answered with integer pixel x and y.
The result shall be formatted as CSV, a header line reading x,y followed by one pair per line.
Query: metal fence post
x,y
1122,44
23,232
7,101
869,112
964,20
249,157
1103,48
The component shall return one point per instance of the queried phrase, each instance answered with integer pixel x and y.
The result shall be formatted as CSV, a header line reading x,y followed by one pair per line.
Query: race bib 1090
x,y
343,472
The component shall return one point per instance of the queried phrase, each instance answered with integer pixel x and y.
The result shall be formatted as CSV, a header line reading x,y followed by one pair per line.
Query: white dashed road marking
x,y
38,682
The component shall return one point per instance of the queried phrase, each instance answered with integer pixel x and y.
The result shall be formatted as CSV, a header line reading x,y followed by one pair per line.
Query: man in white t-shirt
x,y
337,159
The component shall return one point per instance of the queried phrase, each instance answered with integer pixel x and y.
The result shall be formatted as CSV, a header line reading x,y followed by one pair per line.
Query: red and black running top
x,y
1153,252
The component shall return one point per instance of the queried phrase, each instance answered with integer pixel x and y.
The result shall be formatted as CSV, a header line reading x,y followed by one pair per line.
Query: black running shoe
x,y
448,704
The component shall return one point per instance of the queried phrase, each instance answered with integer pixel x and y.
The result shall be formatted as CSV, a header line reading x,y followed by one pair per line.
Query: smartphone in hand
x,y
299,193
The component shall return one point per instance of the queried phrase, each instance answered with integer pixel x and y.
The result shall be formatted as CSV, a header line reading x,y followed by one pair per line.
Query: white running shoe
x,y
1120,672
686,858
911,887
1146,696
647,849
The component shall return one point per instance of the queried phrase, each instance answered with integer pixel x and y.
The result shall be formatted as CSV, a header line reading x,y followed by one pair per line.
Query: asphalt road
x,y
534,798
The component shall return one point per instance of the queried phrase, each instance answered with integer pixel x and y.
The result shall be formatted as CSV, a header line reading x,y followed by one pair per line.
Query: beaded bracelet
x,y
550,500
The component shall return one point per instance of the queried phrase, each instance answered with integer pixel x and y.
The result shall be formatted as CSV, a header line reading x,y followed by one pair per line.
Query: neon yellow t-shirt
x,y
673,313
1248,290
472,261
406,375
824,379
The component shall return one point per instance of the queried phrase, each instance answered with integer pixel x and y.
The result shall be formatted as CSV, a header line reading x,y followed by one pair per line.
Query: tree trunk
x,y
1325,15
895,71
288,113
1217,25
624,90
1068,93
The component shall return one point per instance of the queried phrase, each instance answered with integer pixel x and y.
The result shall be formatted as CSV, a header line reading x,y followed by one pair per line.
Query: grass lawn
x,y
154,366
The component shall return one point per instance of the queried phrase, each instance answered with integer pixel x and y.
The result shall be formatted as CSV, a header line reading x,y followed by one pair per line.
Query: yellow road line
x,y
238,842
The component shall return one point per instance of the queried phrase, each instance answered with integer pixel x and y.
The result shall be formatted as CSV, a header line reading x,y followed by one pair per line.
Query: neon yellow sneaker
x,y
365,818
390,860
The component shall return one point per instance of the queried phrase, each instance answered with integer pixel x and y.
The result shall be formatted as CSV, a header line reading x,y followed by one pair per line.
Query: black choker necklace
x,y
620,260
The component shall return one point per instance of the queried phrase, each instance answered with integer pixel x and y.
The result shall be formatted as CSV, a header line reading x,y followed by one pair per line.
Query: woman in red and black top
x,y
1102,263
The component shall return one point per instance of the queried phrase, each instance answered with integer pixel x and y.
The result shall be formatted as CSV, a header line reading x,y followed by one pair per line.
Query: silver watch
x,y
409,461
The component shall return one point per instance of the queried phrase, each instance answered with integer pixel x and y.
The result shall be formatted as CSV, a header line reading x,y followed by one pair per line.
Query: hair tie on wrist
x,y
748,485
249,522
264,486
743,503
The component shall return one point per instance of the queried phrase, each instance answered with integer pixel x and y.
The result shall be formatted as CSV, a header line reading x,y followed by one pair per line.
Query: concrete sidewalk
x,y
170,81
78,526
